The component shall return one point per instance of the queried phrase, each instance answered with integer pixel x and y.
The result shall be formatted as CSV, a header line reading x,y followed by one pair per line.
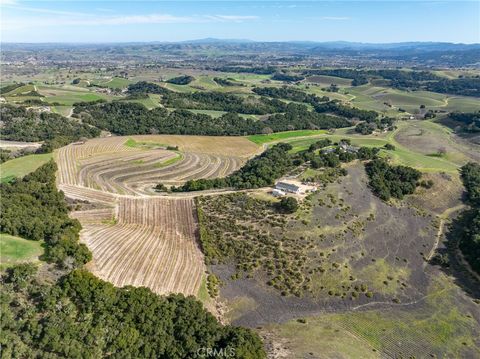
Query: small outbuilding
x,y
278,193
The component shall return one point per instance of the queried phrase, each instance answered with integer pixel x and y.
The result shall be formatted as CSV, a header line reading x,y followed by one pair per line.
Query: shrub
x,y
288,204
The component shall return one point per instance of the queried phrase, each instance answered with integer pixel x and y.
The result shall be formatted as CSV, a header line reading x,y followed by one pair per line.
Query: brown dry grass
x,y
221,145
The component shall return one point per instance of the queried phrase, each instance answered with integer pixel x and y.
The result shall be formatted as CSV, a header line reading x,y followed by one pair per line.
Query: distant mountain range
x,y
346,45
443,54
339,45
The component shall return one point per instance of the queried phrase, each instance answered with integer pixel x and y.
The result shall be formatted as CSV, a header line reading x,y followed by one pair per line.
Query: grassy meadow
x,y
21,166
15,250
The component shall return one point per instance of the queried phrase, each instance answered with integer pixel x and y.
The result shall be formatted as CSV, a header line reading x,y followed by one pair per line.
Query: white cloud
x,y
17,23
133,19
231,18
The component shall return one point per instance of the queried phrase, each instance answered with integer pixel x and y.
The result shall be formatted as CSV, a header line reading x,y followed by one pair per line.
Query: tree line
x,y
470,219
469,122
21,124
33,208
320,104
124,118
406,80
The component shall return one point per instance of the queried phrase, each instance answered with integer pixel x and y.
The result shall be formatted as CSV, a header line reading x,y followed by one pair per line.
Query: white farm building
x,y
288,187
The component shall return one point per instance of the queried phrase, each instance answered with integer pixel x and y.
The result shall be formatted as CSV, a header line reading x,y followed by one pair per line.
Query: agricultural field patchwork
x,y
138,238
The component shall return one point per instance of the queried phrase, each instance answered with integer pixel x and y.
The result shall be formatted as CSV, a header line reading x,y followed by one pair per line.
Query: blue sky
x,y
124,21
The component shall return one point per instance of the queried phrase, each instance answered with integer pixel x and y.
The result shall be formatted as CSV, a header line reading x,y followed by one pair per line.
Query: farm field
x,y
137,239
280,136
15,250
145,242
21,166
133,165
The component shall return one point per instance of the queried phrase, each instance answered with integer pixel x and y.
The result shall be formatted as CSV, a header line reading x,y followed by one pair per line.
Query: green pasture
x,y
149,102
462,104
212,113
401,155
180,88
21,166
205,83
15,250
278,136
68,95
116,82
20,90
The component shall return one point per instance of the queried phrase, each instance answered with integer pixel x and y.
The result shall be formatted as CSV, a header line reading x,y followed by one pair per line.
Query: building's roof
x,y
289,186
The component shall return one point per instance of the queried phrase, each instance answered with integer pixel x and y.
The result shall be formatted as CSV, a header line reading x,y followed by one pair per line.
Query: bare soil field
x,y
109,165
148,242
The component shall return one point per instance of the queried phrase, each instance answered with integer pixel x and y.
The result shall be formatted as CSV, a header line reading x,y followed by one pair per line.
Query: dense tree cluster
x,y
379,124
125,118
4,155
220,101
144,87
391,181
463,86
81,316
339,109
470,122
32,208
470,219
288,205
335,155
181,80
289,93
260,171
470,174
20,124
320,104
281,76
